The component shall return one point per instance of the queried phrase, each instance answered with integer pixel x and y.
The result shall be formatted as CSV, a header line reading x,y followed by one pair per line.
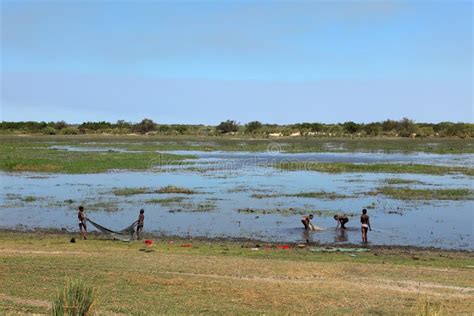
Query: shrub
x,y
49,131
228,127
70,131
252,127
145,126
75,299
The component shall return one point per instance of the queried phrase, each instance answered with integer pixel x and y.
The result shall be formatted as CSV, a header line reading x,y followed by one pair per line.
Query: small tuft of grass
x,y
402,181
131,191
29,198
174,189
76,298
313,195
426,194
166,201
425,307
292,211
206,207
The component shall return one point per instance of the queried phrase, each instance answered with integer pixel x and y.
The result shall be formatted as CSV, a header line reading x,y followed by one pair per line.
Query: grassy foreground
x,y
227,277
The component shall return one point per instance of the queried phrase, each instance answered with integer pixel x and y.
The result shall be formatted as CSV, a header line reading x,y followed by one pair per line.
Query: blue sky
x,y
204,62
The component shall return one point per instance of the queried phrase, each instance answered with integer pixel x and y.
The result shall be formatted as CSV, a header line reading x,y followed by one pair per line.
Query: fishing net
x,y
120,234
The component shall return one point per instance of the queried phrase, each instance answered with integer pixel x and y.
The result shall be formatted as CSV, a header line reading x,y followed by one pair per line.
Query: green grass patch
x,y
205,206
131,191
293,211
426,194
314,195
76,298
33,155
402,181
176,190
166,201
337,167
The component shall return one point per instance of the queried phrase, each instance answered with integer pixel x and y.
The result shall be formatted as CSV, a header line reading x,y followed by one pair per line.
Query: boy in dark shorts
x,y
365,222
140,221
81,216
306,220
341,221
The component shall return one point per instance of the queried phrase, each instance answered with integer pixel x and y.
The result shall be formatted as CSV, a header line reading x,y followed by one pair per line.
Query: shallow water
x,y
228,180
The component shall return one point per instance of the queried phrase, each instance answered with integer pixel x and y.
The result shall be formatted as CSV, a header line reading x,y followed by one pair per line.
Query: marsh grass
x,y
402,181
313,195
75,299
170,189
406,193
131,191
33,155
205,206
166,201
174,189
343,167
293,211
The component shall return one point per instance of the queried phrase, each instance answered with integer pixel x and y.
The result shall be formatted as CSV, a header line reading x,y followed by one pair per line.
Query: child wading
x,y
306,220
140,221
365,222
341,221
81,216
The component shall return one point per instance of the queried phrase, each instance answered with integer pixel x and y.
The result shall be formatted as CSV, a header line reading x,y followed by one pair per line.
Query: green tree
x,y
252,127
351,127
228,126
145,126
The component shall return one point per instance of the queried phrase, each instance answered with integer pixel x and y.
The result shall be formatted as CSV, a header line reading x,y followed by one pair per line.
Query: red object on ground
x,y
186,245
283,247
148,242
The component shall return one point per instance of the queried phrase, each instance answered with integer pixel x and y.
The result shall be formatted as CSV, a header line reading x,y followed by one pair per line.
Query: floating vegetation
x,y
166,201
314,195
426,194
175,189
370,206
402,181
28,198
293,211
206,206
341,167
165,190
131,191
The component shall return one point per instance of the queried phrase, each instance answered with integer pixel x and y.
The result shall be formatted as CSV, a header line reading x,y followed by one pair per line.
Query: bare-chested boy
x,y
365,222
140,221
341,221
81,216
306,220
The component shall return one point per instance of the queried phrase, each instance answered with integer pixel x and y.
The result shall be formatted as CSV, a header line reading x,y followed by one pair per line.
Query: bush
x,y
228,127
75,299
351,127
70,131
252,127
145,126
49,131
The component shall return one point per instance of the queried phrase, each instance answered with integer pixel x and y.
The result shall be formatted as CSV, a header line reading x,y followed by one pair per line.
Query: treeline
x,y
391,128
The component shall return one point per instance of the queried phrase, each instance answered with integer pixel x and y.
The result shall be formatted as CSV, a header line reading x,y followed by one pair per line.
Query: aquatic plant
x,y
406,193
175,189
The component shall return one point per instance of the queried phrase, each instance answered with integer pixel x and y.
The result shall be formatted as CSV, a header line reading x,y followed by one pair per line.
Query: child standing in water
x,y
140,221
81,216
365,222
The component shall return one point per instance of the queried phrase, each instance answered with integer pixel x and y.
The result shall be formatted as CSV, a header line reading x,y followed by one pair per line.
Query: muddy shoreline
x,y
245,242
